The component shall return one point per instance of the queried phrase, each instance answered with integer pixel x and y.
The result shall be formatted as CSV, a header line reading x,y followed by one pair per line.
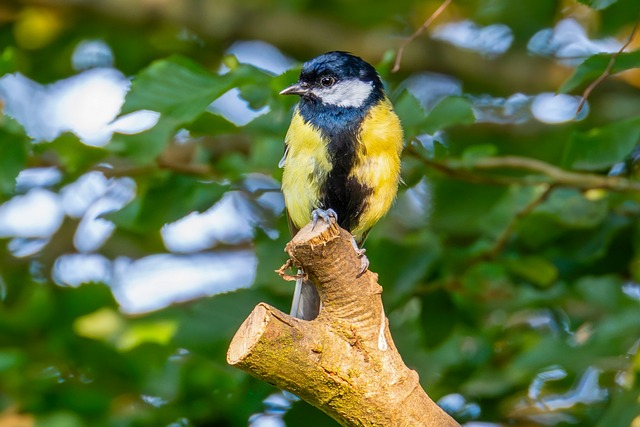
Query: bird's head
x,y
337,79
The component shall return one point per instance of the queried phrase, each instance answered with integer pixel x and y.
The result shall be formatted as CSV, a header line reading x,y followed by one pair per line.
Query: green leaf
x,y
13,156
176,87
144,147
601,291
453,110
571,209
600,148
256,93
534,269
278,83
180,90
160,331
598,4
411,114
595,65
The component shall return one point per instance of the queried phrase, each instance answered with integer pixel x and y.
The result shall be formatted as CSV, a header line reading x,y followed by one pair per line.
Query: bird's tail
x,y
306,301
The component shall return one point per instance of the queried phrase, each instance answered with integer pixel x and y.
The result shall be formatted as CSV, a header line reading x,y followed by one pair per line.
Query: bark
x,y
344,362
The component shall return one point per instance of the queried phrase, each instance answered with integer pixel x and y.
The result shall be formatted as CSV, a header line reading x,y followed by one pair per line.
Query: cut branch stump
x,y
344,362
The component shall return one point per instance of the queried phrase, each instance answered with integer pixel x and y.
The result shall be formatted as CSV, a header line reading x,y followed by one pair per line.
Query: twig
x,y
412,37
120,171
549,174
201,171
186,168
282,272
607,71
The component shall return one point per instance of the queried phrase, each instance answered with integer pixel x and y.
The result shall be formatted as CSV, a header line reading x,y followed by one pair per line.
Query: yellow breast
x,y
305,168
378,165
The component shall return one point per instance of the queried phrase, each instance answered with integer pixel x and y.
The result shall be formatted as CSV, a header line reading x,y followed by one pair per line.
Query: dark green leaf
x,y
600,148
211,124
13,155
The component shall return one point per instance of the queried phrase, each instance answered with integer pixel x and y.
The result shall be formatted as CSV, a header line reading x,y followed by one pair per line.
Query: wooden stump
x,y
344,362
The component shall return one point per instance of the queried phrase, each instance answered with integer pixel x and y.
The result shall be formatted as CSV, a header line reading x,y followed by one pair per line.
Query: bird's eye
x,y
327,81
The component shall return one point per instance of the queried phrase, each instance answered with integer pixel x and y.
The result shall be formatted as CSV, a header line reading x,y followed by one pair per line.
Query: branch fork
x,y
344,362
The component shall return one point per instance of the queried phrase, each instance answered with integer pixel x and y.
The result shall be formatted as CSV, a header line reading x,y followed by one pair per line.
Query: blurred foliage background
x,y
138,231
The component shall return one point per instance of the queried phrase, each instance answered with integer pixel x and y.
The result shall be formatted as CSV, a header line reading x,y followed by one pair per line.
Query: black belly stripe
x,y
342,193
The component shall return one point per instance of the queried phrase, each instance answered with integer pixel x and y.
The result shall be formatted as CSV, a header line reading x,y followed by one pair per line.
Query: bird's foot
x,y
364,261
327,215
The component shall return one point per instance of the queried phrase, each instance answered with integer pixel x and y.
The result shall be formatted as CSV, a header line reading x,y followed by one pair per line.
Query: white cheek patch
x,y
348,93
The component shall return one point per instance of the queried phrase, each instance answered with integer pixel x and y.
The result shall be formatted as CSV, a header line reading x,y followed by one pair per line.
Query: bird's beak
x,y
295,89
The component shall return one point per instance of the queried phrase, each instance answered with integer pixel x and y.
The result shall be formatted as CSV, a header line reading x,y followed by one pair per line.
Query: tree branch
x,y
344,362
546,173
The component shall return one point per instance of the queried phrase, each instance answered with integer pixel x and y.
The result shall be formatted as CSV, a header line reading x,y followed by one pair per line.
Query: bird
x,y
342,155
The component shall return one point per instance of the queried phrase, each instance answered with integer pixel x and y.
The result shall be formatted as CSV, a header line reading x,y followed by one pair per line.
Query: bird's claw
x,y
327,215
364,261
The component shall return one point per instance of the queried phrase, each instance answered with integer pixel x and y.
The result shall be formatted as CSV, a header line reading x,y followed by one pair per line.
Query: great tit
x,y
342,153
